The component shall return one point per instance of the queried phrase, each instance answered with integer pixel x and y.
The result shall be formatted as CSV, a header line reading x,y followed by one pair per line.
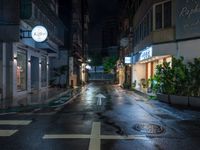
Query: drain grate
x,y
149,128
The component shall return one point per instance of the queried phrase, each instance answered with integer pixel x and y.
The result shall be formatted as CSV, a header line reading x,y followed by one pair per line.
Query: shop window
x,y
44,71
158,16
21,71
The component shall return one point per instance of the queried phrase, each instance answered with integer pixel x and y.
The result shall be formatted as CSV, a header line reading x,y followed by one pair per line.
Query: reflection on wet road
x,y
123,121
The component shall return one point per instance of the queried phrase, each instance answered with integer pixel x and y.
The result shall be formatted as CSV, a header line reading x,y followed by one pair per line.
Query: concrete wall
x,y
189,49
9,20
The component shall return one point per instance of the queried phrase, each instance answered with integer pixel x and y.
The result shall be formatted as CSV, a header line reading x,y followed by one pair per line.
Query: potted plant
x,y
133,85
164,86
180,82
144,85
194,88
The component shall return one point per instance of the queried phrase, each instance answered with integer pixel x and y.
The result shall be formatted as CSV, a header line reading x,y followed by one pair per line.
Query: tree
x,y
109,64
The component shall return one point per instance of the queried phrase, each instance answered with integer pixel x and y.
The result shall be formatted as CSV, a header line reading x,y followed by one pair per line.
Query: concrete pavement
x,y
124,121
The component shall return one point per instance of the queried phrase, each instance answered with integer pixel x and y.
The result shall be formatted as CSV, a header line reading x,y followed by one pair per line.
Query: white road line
x,y
95,141
15,122
38,109
129,137
10,113
66,136
7,132
95,137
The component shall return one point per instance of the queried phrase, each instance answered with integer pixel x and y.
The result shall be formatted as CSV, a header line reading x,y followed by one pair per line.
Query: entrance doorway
x,y
34,73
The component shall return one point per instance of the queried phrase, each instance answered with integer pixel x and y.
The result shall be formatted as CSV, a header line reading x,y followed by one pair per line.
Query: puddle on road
x,y
108,121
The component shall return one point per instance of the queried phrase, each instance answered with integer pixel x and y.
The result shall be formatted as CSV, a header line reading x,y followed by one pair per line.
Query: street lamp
x,y
89,60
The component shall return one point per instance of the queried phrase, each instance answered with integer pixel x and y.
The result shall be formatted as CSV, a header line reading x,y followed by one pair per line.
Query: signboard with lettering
x,y
39,34
127,60
187,19
146,54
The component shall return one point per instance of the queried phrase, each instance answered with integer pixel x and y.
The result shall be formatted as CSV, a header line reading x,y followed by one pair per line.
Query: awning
x,y
51,48
155,50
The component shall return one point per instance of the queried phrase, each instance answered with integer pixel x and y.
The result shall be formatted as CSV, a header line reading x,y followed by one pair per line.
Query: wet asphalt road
x,y
123,122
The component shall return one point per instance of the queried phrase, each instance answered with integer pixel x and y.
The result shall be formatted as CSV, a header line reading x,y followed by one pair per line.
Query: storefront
x,y
146,61
30,69
124,72
120,73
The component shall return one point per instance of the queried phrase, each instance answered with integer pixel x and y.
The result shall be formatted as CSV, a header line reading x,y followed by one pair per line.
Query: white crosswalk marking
x,y
7,132
95,137
15,122
129,137
67,136
95,141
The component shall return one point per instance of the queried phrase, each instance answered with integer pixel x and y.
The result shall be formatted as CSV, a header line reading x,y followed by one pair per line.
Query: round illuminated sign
x,y
39,34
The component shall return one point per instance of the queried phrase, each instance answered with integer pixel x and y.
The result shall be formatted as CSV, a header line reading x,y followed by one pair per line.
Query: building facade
x,y
126,45
110,37
25,63
162,29
79,43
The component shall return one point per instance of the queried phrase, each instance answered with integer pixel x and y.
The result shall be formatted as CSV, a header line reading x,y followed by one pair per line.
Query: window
x,y
163,15
167,14
151,20
148,24
21,71
1,10
144,28
158,16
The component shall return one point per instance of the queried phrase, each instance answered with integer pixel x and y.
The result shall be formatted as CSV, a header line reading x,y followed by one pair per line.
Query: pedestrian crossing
x,y
8,133
95,137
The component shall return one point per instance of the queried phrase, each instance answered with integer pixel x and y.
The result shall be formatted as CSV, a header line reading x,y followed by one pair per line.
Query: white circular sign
x,y
39,34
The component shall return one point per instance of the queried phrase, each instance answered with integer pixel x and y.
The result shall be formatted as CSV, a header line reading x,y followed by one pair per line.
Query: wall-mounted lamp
x,y
40,63
29,60
15,57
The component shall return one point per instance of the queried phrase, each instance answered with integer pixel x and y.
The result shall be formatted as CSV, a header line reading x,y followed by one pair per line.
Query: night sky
x,y
99,10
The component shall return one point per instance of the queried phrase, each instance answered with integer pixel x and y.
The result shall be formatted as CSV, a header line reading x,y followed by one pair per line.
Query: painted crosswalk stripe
x,y
95,137
10,113
129,137
15,122
5,133
66,136
95,141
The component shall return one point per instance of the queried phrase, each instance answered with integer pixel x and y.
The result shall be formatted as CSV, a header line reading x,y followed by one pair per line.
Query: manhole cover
x,y
149,128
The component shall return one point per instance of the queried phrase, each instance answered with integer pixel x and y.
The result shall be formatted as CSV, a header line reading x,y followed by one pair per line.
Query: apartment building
x,y
79,43
162,29
24,62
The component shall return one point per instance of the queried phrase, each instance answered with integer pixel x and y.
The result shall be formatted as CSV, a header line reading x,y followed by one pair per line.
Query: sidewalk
x,y
135,92
37,99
